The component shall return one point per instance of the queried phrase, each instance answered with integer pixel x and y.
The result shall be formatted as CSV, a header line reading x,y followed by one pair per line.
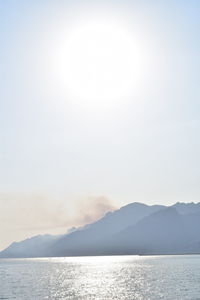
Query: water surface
x,y
113,277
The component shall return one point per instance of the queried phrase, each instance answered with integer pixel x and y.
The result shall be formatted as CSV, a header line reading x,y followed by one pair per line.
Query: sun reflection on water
x,y
101,277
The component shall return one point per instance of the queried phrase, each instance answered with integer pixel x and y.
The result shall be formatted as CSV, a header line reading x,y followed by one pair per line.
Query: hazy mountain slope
x,y
192,223
162,232
81,241
134,229
187,208
36,246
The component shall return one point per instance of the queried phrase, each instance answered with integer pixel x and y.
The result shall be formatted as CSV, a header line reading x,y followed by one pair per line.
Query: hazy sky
x,y
99,107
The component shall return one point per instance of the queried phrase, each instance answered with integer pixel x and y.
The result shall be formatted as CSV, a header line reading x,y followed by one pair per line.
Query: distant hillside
x,y
161,232
133,229
36,246
82,241
187,208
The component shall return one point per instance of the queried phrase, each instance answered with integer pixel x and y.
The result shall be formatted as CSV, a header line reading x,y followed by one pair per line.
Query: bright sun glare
x,y
100,63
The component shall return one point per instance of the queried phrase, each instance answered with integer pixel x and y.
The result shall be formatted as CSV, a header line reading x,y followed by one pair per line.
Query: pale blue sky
x,y
141,147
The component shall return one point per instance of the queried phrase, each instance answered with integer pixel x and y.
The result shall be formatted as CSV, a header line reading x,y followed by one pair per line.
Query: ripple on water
x,y
113,277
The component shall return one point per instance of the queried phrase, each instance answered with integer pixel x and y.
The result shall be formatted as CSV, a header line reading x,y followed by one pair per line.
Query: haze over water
x,y
111,277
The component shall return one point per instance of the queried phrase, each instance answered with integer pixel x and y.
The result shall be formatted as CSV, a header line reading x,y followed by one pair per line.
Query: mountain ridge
x,y
135,228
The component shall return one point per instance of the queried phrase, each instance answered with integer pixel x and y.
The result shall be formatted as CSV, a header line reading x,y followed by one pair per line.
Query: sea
x,y
102,277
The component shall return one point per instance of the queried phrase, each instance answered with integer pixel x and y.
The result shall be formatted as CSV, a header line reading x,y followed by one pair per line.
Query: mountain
x,y
163,232
36,246
133,229
82,241
187,208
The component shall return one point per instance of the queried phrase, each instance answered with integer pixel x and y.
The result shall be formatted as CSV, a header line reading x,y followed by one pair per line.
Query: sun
x,y
100,62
